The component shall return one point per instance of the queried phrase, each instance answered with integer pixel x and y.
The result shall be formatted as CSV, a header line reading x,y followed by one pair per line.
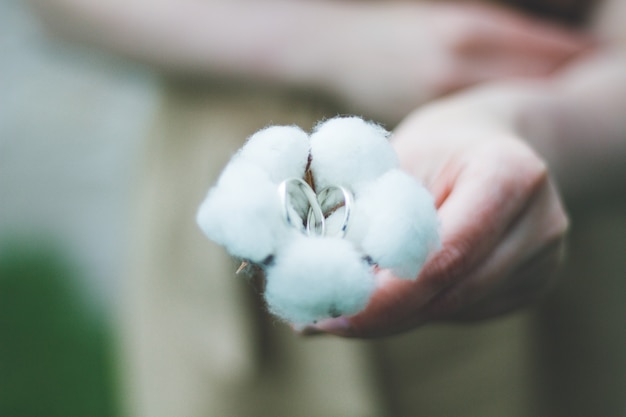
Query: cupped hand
x,y
502,228
386,59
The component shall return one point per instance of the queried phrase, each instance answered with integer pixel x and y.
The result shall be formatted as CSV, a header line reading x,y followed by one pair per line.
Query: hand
x,y
502,227
387,59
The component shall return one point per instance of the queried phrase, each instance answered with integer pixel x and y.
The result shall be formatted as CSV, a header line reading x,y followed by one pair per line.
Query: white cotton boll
x,y
348,150
315,278
281,151
243,213
396,223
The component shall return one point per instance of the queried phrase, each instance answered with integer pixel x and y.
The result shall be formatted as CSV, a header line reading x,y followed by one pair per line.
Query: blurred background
x,y
71,124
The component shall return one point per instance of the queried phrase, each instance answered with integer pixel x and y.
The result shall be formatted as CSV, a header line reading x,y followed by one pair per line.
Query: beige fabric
x,y
197,343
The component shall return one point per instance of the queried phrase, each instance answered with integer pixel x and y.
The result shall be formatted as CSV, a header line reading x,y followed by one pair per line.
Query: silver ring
x,y
327,205
285,190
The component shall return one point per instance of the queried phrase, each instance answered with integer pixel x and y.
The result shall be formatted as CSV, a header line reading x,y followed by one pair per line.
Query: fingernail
x,y
339,326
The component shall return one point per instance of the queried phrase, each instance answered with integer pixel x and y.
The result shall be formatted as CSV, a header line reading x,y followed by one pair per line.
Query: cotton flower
x,y
320,214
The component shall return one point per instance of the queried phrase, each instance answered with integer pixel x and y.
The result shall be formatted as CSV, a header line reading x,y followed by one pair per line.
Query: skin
x,y
496,109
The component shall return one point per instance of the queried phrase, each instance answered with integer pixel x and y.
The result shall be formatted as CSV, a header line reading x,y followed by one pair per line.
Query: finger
x,y
529,282
550,39
504,58
487,197
503,30
526,258
509,67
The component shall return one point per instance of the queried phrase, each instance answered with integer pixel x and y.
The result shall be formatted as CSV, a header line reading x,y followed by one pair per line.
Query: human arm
x,y
491,156
379,59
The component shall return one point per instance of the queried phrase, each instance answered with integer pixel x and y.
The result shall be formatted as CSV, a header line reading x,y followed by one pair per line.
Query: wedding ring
x,y
330,199
292,187
293,192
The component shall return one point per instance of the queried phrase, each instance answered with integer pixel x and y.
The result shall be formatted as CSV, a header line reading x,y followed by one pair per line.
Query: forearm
x,y
273,41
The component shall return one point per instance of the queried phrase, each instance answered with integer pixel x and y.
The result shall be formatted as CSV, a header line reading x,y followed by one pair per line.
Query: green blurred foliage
x,y
55,353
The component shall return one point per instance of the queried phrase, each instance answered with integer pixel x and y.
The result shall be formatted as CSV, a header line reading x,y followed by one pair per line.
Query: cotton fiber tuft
x,y
349,150
402,238
282,151
250,231
316,278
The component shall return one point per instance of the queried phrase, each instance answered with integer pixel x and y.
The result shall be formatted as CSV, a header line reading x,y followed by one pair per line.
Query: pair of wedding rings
x,y
308,211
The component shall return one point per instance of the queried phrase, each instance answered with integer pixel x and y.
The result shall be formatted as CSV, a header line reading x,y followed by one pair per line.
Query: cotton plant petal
x,y
348,150
318,277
